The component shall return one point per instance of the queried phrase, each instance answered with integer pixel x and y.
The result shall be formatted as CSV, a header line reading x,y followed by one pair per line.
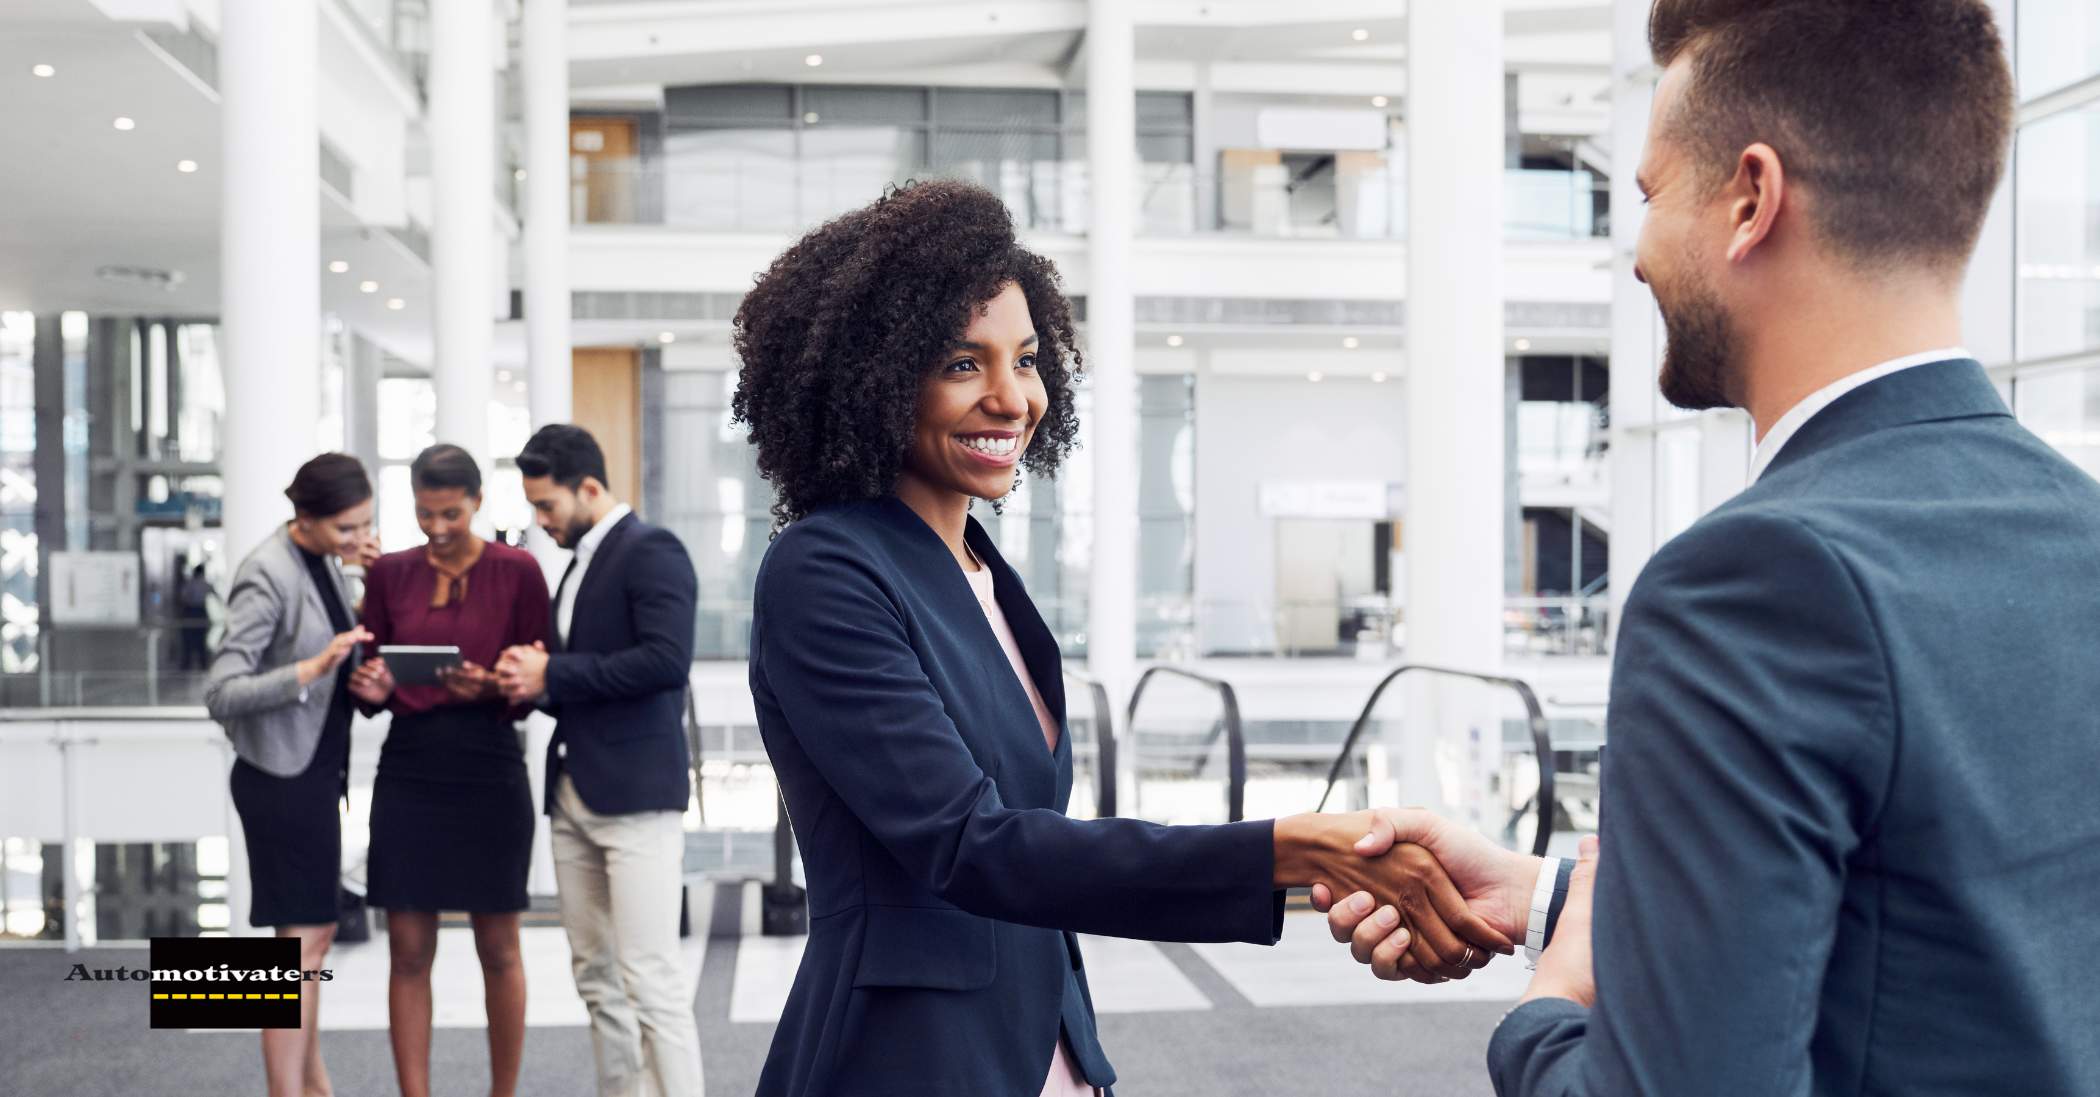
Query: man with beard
x,y
1849,838
617,767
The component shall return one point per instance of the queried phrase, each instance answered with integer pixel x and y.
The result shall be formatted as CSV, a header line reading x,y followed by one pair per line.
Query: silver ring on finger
x,y
1467,959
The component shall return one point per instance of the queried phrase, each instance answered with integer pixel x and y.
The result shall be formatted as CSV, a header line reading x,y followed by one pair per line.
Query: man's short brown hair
x,y
1893,114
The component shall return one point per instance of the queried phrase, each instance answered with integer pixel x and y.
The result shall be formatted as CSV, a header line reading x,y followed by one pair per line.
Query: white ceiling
x,y
81,195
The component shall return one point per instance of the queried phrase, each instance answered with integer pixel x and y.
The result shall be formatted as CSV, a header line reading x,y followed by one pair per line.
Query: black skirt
x,y
295,834
452,814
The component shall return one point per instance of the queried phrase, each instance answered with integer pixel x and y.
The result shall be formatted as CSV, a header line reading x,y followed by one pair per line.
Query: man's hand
x,y
1427,915
371,682
469,681
1565,970
1495,883
522,672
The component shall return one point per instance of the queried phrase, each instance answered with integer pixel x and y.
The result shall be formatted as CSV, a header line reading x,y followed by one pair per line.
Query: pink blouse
x,y
1065,1079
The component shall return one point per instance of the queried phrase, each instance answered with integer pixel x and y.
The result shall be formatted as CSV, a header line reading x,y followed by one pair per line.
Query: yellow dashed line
x,y
225,997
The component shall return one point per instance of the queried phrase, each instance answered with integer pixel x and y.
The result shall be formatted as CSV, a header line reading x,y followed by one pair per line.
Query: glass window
x,y
731,180
2064,410
1014,108
18,487
894,106
2057,43
844,167
715,501
2058,215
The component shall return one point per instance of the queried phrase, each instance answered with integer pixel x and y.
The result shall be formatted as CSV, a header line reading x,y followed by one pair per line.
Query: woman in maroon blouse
x,y
452,813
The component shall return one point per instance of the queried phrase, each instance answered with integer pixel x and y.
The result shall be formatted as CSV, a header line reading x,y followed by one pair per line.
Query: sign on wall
x,y
95,588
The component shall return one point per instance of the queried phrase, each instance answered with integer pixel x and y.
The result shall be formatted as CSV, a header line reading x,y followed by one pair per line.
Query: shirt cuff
x,y
1548,894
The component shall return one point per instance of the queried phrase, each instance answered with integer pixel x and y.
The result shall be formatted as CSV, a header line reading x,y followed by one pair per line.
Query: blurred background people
x,y
452,817
280,688
193,600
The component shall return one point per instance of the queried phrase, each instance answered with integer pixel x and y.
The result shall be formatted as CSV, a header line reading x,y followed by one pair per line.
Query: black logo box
x,y
225,982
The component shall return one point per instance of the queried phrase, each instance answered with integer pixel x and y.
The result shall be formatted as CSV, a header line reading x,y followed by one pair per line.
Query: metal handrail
x,y
1541,742
1235,736
1104,744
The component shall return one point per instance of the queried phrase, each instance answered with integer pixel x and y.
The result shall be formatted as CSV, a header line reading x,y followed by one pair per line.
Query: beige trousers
x,y
620,878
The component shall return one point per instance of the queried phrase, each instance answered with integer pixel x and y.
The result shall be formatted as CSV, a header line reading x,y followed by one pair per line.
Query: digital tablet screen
x,y
414,665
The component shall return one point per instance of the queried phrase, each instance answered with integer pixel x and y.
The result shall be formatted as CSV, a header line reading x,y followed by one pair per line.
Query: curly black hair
x,y
838,334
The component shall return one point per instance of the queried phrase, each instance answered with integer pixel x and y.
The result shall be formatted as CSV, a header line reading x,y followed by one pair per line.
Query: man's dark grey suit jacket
x,y
1851,823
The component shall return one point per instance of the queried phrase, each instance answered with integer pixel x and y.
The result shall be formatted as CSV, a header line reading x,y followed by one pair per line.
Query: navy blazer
x,y
1850,839
945,881
616,684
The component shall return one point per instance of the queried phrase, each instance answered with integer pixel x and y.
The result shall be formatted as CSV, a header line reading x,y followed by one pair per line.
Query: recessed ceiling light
x,y
810,119
186,167
503,375
1381,101
124,123
1350,342
1316,377
1523,344
45,71
396,304
813,60
1378,377
518,385
368,286
666,337
518,174
1174,340
338,266
1360,34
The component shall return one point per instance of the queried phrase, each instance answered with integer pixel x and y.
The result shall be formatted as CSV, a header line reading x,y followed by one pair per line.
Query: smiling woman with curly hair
x,y
898,363
838,335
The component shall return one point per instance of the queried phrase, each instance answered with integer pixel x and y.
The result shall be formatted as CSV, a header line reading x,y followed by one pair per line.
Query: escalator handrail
x,y
1104,744
1235,736
1541,741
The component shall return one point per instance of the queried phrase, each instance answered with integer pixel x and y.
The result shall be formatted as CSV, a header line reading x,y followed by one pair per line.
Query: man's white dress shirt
x,y
586,548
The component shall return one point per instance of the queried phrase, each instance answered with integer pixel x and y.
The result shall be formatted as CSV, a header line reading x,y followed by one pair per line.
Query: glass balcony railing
x,y
773,194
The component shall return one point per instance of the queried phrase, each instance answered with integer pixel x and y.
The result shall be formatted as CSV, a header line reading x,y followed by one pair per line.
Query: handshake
x,y
1415,896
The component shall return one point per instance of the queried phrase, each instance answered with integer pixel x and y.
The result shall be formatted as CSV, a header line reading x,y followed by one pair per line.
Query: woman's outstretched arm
x,y
831,650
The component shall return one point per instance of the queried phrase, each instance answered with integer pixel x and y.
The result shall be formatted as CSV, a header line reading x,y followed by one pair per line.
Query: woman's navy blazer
x,y
945,881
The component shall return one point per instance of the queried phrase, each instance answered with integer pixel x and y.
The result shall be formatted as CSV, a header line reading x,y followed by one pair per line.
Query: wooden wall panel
x,y
608,403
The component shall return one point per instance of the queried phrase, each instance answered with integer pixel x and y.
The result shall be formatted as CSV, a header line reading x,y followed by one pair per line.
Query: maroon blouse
x,y
506,604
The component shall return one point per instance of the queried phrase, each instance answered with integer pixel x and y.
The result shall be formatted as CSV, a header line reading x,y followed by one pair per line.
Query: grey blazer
x,y
274,618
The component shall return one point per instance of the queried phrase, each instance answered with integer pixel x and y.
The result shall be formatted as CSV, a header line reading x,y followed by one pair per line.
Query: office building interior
x,y
1371,386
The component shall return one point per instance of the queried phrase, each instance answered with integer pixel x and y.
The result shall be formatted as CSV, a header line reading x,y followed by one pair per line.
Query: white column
x,y
547,352
463,181
1636,336
1453,534
269,276
1111,342
269,256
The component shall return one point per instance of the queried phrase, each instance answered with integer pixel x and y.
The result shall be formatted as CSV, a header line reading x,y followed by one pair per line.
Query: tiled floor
x,y
1306,969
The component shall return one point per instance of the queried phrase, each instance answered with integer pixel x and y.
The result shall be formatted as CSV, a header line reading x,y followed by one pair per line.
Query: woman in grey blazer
x,y
280,686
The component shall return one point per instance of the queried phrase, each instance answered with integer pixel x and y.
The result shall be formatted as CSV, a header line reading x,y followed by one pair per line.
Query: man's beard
x,y
1699,361
572,534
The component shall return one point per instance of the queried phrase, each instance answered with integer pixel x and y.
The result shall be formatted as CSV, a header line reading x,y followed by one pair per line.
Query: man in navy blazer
x,y
1850,843
617,767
